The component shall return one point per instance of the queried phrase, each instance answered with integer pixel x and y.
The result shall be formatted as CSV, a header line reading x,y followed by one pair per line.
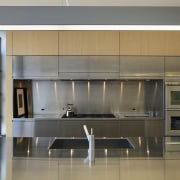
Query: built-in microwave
x,y
173,95
172,123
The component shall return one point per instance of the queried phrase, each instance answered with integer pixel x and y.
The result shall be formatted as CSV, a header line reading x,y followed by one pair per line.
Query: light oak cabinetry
x,y
88,43
173,46
35,43
143,43
156,43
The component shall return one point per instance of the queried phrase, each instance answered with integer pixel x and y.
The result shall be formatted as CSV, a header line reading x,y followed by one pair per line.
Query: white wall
x,y
6,116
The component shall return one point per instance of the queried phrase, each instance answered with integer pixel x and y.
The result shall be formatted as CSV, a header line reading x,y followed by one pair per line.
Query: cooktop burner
x,y
90,116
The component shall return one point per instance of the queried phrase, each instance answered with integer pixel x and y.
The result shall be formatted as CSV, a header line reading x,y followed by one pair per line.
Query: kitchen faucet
x,y
91,150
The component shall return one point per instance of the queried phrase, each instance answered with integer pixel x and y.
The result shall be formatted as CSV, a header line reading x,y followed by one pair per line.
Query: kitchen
x,y
88,79
102,82
137,102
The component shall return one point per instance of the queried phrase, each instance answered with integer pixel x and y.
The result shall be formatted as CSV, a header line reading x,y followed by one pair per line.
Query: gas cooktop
x,y
90,116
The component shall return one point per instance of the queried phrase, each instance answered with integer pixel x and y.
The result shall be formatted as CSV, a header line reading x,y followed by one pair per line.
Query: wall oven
x,y
173,122
172,108
173,95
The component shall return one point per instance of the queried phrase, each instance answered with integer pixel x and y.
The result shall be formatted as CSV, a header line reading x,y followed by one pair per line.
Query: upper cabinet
x,y
155,43
151,67
88,42
173,45
31,67
148,43
143,43
35,43
172,67
88,67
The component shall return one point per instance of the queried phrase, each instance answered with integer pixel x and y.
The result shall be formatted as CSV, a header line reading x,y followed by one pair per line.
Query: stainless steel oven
x,y
172,108
173,95
173,122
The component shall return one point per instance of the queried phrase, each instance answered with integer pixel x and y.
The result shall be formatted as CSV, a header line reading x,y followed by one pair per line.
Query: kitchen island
x,y
31,158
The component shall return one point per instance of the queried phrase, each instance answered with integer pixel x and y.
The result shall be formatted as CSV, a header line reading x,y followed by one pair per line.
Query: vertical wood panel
x,y
143,43
173,48
9,43
89,43
35,43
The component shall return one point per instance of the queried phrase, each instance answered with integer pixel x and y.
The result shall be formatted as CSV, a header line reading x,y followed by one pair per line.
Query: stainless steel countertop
x,y
38,117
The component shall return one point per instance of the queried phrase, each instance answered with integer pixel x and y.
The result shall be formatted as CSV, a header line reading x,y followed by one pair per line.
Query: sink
x,y
90,116
100,143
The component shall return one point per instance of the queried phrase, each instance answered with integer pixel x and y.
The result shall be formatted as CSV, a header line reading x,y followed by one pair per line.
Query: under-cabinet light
x,y
92,27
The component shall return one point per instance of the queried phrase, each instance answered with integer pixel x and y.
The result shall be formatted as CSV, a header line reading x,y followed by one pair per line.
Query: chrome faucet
x,y
91,150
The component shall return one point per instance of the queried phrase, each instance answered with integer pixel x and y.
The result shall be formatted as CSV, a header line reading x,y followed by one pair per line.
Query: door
x,y
142,67
35,66
172,96
173,122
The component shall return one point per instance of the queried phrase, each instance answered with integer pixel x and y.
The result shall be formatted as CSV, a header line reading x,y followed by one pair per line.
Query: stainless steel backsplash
x,y
138,96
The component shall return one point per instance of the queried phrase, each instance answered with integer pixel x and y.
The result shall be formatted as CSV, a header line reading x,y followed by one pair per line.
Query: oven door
x,y
173,122
173,97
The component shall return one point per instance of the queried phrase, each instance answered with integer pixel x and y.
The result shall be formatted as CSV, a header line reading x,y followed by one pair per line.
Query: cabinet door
x,y
89,67
173,48
141,66
72,128
143,43
154,128
132,128
172,67
46,128
35,43
89,43
35,66
73,67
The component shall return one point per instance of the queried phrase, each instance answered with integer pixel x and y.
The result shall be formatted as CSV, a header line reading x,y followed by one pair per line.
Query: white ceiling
x,y
89,2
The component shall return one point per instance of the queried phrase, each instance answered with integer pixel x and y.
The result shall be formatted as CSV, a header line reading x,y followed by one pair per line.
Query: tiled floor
x,y
166,167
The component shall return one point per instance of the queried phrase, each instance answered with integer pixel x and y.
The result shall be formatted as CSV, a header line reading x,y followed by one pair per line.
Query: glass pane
x,y
175,123
175,97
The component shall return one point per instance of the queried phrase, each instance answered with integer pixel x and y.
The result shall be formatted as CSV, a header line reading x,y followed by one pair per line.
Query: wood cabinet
x,y
157,43
35,43
88,43
173,45
143,43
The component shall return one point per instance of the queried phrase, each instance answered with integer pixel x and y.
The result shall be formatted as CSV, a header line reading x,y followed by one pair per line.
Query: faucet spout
x,y
86,131
91,150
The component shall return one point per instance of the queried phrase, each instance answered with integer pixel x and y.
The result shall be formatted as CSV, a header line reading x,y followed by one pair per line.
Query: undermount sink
x,y
90,116
100,143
